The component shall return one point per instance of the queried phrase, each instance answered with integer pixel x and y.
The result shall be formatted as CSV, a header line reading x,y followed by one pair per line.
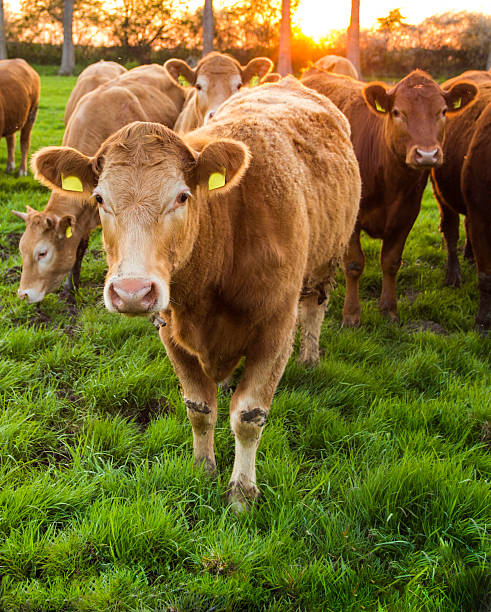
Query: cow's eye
x,y
182,197
42,254
396,113
198,86
239,85
99,199
444,112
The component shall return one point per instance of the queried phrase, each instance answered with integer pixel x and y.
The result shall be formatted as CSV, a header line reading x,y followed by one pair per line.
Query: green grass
x,y
374,467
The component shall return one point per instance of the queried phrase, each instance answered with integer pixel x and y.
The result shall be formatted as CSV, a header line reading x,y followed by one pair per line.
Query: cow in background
x,y
20,88
332,63
216,77
230,232
397,134
89,79
462,186
56,239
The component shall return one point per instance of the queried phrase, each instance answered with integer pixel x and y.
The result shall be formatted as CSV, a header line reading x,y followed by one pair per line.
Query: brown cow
x,y
397,135
19,98
55,239
89,79
333,63
462,185
215,78
223,231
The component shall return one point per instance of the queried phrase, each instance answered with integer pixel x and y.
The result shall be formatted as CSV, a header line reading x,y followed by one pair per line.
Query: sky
x,y
317,17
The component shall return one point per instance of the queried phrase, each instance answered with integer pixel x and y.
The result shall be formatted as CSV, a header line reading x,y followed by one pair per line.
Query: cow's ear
x,y
257,67
377,98
272,77
222,164
65,226
66,169
180,72
460,95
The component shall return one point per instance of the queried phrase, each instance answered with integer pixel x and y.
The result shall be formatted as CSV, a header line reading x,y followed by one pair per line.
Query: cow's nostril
x,y
133,295
426,157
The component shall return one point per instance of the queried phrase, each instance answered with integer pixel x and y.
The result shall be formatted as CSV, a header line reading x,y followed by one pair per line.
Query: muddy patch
x,y
411,295
11,276
151,409
9,243
431,326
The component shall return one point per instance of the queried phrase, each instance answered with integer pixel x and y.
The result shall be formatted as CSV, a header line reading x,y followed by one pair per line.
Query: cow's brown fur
x,y
216,77
89,79
145,93
19,98
388,129
332,63
236,260
462,186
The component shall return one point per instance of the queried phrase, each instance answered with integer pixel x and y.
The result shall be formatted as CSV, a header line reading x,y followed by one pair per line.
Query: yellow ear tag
x,y
379,108
183,81
457,103
254,81
216,180
71,183
68,232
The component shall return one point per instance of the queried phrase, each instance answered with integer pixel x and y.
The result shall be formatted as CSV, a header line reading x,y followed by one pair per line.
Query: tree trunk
x,y
3,45
488,63
208,27
285,53
68,53
353,46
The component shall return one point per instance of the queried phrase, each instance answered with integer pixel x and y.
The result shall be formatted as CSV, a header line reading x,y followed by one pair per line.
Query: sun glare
x,y
317,19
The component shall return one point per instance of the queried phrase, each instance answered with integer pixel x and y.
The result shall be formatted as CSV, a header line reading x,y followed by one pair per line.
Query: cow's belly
x,y
372,217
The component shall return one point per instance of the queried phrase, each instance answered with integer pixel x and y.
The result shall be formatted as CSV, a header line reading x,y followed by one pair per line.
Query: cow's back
x,y
20,87
338,65
89,79
300,194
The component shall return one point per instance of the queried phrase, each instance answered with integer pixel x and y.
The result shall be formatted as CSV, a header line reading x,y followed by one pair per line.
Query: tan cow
x,y
20,87
55,239
224,231
215,78
89,79
332,63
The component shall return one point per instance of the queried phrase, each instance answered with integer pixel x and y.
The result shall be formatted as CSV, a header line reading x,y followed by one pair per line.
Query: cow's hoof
x,y
351,320
453,278
308,360
241,496
483,327
10,169
209,466
22,172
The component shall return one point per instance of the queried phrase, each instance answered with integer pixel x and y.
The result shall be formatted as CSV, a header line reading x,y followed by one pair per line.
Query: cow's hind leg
x,y
10,152
25,141
311,310
468,251
449,226
200,397
353,264
249,407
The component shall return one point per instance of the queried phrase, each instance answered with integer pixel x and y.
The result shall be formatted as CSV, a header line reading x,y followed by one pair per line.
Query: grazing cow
x,y
55,239
397,135
333,63
89,79
215,78
462,185
19,98
223,231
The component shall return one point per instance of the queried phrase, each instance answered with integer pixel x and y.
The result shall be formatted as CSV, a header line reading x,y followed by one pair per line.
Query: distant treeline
x,y
443,45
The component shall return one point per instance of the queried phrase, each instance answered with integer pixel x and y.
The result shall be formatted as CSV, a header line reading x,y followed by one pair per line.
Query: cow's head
x,y
48,247
216,78
148,184
415,111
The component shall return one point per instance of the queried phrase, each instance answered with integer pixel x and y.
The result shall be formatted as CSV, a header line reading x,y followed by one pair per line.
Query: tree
x,y
208,27
353,44
3,45
285,52
68,53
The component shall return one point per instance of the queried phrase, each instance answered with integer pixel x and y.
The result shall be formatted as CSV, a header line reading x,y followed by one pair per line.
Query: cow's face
x,y
415,113
216,78
147,184
49,248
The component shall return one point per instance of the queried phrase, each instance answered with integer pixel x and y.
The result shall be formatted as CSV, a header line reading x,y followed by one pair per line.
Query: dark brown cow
x,y
19,98
397,135
55,239
224,231
462,185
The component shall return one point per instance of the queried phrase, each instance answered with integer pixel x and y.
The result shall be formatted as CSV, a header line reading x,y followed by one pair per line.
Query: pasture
x,y
374,467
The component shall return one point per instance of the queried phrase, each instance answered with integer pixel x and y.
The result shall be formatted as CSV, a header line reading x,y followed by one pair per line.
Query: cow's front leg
x,y
310,315
200,397
249,407
391,259
353,265
10,152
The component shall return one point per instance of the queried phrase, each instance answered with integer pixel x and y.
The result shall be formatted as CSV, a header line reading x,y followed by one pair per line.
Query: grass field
x,y
374,467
